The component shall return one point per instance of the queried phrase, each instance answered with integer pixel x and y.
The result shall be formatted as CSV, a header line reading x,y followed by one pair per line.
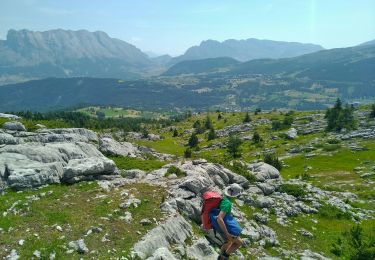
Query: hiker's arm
x,y
220,221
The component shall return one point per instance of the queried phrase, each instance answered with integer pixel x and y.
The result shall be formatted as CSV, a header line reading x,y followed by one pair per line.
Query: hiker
x,y
216,214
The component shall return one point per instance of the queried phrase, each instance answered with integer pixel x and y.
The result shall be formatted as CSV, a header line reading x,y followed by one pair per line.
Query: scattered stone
x,y
127,218
234,129
367,174
309,255
14,126
21,242
174,231
79,246
161,254
201,249
37,254
305,233
134,174
263,171
145,222
105,238
291,133
13,255
59,228
130,202
261,218
52,256
9,116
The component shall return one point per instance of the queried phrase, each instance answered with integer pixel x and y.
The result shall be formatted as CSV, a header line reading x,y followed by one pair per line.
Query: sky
x,y
172,26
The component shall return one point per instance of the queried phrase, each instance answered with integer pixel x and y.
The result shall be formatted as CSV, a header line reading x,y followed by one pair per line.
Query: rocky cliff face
x,y
69,53
29,160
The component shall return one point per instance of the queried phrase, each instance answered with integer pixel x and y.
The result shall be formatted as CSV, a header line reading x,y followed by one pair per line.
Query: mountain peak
x,y
247,49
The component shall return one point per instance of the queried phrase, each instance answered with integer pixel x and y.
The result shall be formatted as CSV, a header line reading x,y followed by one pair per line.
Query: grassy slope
x,y
76,209
334,172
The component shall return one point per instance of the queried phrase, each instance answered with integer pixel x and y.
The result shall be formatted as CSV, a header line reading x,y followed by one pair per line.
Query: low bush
x,y
273,160
175,170
295,190
331,212
241,169
331,147
355,244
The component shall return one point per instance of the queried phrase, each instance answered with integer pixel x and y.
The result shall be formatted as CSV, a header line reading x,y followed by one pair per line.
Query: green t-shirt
x,y
226,205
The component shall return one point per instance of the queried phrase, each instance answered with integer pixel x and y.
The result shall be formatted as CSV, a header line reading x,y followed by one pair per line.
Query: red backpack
x,y
211,200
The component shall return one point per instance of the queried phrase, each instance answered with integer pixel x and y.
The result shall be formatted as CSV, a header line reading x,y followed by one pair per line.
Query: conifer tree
x,y
247,118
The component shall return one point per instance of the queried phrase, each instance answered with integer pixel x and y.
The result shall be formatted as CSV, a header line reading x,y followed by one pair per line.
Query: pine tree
x,y
372,113
211,134
247,118
175,133
256,138
233,146
219,116
193,140
208,122
187,153
340,118
274,161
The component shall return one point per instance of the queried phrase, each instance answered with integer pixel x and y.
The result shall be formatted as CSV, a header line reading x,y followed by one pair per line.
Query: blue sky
x,y
171,26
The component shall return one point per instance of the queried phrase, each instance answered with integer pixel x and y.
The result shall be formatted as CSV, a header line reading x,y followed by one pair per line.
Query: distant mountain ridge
x,y
198,66
66,53
244,50
341,64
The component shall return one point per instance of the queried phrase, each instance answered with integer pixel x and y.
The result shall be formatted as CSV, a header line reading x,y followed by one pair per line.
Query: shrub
x,y
276,125
331,147
187,153
241,169
199,129
247,118
372,113
233,146
211,134
175,133
331,212
208,123
355,244
175,170
339,117
305,176
144,133
256,138
193,140
333,141
273,160
257,111
293,189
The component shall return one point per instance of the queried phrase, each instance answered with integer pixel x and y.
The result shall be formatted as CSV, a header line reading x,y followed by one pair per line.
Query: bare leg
x,y
234,246
225,247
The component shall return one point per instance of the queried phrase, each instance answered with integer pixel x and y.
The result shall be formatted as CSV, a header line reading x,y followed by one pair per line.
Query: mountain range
x,y
244,50
76,68
26,55
341,64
